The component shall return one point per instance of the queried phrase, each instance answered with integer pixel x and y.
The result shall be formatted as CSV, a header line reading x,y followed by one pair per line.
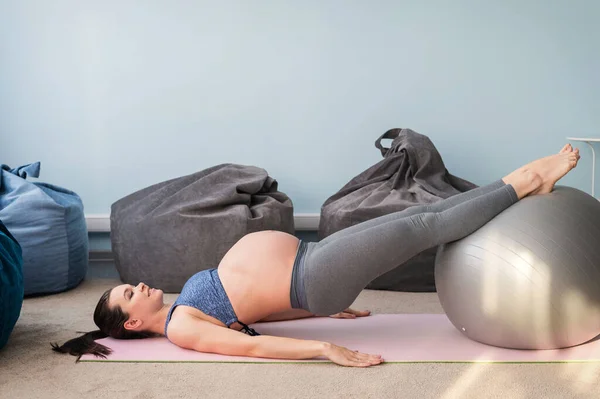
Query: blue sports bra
x,y
205,292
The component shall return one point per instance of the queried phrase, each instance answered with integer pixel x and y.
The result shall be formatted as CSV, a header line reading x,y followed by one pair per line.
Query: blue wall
x,y
113,96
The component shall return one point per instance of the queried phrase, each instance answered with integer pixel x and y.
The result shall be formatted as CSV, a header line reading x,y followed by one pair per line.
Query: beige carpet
x,y
29,369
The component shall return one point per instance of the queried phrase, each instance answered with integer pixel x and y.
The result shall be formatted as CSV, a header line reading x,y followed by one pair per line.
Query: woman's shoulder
x,y
187,325
178,321
184,315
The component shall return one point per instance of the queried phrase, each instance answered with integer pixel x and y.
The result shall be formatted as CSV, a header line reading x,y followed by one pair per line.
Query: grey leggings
x,y
330,274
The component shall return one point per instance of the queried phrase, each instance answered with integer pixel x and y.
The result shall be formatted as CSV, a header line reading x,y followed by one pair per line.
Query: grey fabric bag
x,y
165,233
411,173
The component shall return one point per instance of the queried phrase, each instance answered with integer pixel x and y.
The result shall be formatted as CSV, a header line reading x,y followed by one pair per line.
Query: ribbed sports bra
x,y
205,292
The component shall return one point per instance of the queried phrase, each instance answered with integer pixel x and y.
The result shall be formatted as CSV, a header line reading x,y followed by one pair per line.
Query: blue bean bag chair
x,y
11,283
49,223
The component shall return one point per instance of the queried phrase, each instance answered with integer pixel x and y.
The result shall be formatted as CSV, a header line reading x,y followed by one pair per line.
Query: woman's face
x,y
140,302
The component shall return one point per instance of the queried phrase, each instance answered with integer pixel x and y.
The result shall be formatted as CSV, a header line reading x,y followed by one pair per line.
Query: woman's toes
x,y
566,148
573,158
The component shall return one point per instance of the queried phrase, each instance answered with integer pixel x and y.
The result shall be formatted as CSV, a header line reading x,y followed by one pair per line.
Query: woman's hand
x,y
351,314
346,357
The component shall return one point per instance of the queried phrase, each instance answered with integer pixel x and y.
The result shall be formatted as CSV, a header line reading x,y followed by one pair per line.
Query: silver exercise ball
x,y
530,278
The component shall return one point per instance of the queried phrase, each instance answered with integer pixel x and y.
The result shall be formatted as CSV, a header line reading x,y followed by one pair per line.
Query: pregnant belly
x,y
256,274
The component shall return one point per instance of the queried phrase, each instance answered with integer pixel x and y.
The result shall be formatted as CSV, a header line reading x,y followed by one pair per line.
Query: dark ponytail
x,y
111,323
84,344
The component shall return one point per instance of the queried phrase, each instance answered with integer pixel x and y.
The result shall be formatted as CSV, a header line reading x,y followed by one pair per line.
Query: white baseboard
x,y
307,221
100,223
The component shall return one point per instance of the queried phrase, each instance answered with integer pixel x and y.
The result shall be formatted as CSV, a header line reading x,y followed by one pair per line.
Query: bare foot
x,y
569,148
551,169
540,176
566,148
524,181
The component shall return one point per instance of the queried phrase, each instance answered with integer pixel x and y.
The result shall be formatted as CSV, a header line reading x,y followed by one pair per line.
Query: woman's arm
x,y
293,314
200,335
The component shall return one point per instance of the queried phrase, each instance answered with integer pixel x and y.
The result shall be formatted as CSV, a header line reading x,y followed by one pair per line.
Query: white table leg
x,y
593,166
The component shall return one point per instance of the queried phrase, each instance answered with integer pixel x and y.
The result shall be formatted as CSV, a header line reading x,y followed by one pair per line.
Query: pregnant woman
x,y
270,275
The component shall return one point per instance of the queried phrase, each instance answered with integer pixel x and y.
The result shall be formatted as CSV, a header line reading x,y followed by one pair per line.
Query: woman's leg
x,y
451,201
413,210
335,273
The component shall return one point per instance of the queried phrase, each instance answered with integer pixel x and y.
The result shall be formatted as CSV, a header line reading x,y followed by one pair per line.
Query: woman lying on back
x,y
269,276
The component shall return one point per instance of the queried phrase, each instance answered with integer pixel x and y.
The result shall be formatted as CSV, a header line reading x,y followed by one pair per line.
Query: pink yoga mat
x,y
401,338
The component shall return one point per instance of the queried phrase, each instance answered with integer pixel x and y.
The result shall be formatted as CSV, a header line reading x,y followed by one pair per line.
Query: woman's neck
x,y
158,324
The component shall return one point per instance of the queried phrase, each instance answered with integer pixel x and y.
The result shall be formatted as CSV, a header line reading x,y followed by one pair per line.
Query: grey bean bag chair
x,y
411,173
165,233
